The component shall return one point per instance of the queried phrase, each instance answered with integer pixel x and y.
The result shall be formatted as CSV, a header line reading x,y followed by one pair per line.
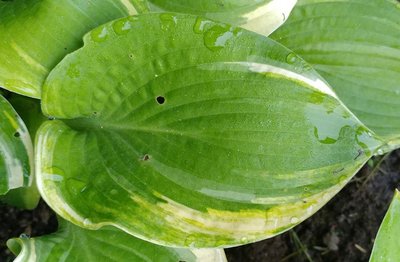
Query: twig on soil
x,y
360,248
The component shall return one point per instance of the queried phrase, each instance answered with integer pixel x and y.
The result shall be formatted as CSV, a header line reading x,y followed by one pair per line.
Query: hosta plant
x,y
172,129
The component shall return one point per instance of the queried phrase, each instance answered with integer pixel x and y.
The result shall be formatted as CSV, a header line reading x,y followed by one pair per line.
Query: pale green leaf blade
x,y
386,246
261,16
37,34
213,136
71,243
16,152
355,46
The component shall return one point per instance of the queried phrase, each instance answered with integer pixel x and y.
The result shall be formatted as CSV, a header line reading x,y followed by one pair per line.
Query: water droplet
x,y
306,189
76,186
243,240
218,36
342,179
326,196
99,34
114,192
53,174
87,222
380,152
168,21
122,27
200,25
294,220
291,58
24,236
323,139
190,241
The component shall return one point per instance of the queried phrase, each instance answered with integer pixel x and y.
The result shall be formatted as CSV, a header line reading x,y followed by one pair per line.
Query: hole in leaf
x,y
146,157
17,134
160,100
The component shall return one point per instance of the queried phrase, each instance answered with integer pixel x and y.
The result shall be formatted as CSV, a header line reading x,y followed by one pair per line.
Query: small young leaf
x,y
355,46
386,247
261,16
71,243
37,34
16,153
192,136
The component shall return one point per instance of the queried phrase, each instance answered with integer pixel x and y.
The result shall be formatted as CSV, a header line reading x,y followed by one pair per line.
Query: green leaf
x,y
192,136
37,34
72,243
261,16
30,112
386,247
16,152
355,46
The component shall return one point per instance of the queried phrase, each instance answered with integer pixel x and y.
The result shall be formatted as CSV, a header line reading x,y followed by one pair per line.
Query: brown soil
x,y
343,230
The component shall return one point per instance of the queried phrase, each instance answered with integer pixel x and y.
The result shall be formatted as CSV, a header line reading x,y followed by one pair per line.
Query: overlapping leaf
x,y
37,34
72,243
261,16
187,132
16,153
355,46
30,112
386,247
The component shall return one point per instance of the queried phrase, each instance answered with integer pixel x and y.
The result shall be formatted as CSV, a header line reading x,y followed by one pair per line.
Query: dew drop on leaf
x,y
168,21
24,236
99,34
218,36
291,58
190,239
122,27
87,222
76,186
200,24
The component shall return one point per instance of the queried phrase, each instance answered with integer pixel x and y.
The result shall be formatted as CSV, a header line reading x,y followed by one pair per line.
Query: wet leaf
x,y
72,243
30,112
355,46
37,34
192,137
261,16
16,153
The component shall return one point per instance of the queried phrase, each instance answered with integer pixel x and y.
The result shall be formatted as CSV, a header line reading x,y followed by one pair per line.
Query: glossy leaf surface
x,y
355,46
16,153
386,247
192,136
261,16
72,243
37,34
30,112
